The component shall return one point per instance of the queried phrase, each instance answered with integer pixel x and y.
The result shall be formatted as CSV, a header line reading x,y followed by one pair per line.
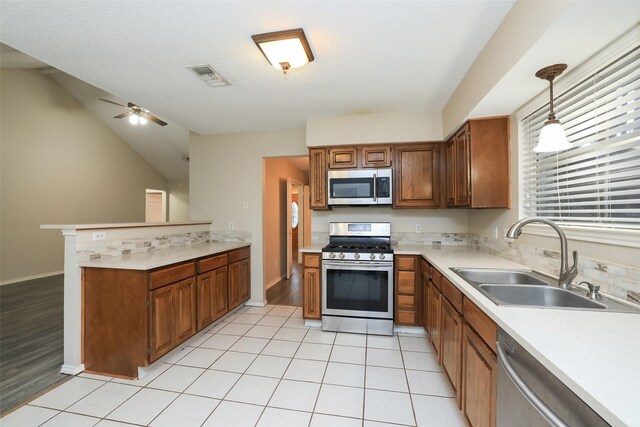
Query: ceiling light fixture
x,y
552,136
285,49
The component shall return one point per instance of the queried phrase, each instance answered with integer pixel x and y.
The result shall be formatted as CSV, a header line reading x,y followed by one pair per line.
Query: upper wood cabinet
x,y
477,163
375,156
416,176
318,178
343,157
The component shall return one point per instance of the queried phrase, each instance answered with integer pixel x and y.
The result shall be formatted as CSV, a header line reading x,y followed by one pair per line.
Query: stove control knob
x,y
372,256
356,256
332,255
341,255
381,256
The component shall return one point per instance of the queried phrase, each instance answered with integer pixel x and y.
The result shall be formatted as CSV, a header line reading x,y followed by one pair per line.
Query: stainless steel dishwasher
x,y
531,396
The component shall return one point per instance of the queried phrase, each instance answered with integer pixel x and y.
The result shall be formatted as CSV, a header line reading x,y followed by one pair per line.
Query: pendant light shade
x,y
552,136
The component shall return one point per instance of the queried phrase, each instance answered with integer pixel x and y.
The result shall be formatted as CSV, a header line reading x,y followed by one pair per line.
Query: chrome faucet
x,y
566,274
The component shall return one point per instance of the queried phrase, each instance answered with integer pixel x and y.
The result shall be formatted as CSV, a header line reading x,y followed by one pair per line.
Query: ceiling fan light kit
x,y
285,49
552,136
136,114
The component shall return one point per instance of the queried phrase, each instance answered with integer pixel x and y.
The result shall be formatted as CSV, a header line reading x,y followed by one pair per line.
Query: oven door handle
x,y
375,186
527,393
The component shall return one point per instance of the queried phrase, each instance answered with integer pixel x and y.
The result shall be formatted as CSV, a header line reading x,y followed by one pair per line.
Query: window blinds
x,y
595,183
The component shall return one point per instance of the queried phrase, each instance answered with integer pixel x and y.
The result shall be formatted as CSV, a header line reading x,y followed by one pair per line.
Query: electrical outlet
x,y
245,204
99,235
231,226
495,233
418,228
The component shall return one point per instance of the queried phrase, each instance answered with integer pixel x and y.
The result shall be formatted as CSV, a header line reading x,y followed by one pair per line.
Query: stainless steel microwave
x,y
359,187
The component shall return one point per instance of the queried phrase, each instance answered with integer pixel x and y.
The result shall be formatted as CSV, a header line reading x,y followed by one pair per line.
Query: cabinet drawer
x,y
436,278
406,282
480,322
239,254
212,263
406,263
172,274
452,293
312,261
406,317
406,302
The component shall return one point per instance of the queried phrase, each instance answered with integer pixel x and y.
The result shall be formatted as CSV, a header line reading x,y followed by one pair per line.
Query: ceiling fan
x,y
136,114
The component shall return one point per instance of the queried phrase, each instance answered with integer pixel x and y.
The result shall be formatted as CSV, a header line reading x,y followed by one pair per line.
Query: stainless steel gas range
x,y
357,278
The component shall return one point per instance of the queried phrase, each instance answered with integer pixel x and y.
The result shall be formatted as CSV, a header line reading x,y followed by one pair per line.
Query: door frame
x,y
290,184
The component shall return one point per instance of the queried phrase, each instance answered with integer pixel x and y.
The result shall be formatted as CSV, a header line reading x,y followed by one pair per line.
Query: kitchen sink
x,y
526,288
511,277
539,296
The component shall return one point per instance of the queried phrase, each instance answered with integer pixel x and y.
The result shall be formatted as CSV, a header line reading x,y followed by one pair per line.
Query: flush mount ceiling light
x,y
552,136
285,49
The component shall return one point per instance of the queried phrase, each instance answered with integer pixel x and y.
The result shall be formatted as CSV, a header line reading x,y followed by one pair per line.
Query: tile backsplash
x,y
619,280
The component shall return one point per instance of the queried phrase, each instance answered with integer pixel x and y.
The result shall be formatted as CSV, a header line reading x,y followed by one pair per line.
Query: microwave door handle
x,y
375,185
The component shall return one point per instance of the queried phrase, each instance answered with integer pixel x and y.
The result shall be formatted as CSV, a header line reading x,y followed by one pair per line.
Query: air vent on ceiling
x,y
209,75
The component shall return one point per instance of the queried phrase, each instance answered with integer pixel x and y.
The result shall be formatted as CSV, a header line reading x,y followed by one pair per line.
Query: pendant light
x,y
552,136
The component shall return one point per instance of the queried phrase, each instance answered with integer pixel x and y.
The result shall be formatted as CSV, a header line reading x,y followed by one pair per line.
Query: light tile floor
x,y
260,366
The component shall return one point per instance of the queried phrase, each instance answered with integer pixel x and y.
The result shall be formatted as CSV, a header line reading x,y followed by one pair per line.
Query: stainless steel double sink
x,y
532,289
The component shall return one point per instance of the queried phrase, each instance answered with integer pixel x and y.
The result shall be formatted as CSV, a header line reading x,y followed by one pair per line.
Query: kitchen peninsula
x,y
143,289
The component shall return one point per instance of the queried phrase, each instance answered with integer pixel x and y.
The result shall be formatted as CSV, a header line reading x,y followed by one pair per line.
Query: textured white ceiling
x,y
371,56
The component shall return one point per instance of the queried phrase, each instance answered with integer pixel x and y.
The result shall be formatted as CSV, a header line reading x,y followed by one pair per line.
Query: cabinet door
x,y
162,323
451,172
234,285
205,299
451,345
462,167
478,381
318,178
343,157
311,303
434,316
416,176
375,156
219,293
185,309
425,298
245,279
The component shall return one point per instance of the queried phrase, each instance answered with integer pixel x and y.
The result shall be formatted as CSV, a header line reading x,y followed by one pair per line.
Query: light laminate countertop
x,y
594,353
162,257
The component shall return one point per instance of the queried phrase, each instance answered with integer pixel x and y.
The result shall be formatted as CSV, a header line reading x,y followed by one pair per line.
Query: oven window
x,y
357,290
351,188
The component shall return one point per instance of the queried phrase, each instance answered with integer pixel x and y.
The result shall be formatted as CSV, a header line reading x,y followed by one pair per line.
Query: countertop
x,y
162,257
594,353
119,225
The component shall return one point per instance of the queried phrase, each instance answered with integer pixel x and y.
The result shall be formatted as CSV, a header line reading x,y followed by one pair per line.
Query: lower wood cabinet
x,y
406,290
239,278
451,345
478,380
311,287
173,316
212,295
434,310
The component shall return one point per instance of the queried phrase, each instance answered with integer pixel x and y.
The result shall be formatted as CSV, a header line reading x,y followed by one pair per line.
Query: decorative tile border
x,y
430,239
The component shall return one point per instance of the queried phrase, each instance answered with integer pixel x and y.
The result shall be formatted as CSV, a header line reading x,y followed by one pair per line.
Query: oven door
x,y
357,289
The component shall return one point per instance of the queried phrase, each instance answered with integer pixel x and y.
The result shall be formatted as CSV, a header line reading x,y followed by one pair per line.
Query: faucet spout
x,y
567,274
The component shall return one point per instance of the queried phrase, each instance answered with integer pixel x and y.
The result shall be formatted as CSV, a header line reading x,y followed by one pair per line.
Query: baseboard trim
x,y
28,278
274,281
255,303
72,369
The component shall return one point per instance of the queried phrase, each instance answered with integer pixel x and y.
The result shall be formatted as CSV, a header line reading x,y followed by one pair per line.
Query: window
x,y
596,183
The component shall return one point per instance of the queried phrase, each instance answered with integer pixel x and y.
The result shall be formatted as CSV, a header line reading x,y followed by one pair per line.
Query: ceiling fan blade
x,y
111,102
123,115
154,119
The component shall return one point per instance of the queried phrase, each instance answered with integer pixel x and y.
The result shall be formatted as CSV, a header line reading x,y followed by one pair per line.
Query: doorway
x,y
155,206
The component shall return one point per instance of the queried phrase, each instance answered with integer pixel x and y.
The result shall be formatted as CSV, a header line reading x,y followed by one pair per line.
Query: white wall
x,y
178,200
225,171
59,165
405,126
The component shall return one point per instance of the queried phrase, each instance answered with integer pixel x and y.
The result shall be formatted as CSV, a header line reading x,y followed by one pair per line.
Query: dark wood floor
x,y
287,292
31,331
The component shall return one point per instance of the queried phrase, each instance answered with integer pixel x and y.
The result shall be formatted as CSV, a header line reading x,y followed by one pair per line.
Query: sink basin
x,y
539,296
511,277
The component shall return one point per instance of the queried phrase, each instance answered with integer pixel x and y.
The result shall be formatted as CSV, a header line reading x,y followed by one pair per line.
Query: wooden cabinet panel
x,y
212,263
375,156
450,172
239,254
185,309
311,261
436,278
481,323
404,262
425,297
407,310
167,275
162,322
318,178
219,303
416,176
205,299
462,159
343,157
406,302
479,375
451,345
245,280
234,285
433,317
404,317
406,282
311,294
452,294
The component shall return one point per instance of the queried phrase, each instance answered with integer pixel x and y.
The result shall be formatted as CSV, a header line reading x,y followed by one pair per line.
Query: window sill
x,y
608,236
